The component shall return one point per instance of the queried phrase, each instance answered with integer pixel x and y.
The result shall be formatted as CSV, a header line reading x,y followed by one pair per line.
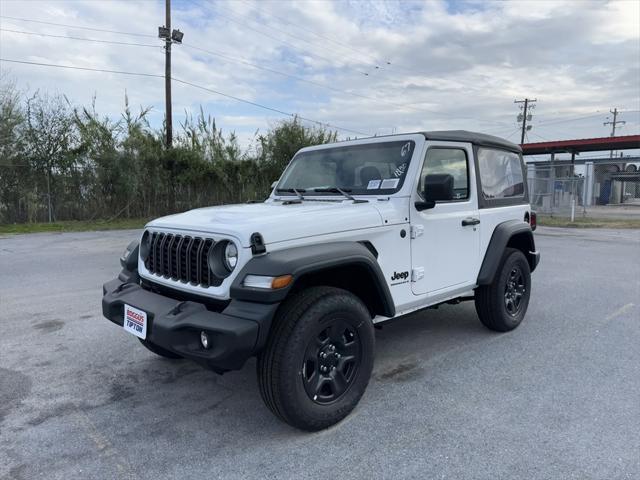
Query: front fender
x,y
301,261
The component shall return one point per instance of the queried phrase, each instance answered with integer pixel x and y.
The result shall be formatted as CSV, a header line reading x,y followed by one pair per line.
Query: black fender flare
x,y
500,239
309,259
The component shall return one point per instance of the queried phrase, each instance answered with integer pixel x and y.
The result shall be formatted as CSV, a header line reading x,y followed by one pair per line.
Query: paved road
x,y
559,398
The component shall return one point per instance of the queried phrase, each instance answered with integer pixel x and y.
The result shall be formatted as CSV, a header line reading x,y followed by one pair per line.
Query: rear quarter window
x,y
500,174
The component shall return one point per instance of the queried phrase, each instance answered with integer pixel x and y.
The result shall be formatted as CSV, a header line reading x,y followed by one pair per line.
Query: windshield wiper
x,y
344,192
297,191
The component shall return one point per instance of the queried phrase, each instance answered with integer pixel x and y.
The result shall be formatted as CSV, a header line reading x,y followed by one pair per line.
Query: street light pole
x,y
170,37
167,75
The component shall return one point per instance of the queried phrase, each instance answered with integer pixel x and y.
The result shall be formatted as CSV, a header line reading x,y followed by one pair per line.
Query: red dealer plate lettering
x,y
135,321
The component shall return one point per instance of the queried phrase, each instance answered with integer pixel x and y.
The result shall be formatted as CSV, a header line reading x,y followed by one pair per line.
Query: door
x,y
445,239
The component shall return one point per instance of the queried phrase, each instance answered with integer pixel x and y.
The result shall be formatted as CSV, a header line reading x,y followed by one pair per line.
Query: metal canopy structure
x,y
626,142
582,161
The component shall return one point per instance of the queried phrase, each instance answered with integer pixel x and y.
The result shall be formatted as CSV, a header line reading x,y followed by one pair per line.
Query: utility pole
x,y
169,36
527,106
167,75
613,124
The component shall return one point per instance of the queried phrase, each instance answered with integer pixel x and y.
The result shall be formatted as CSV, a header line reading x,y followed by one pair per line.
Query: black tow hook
x,y
122,286
178,308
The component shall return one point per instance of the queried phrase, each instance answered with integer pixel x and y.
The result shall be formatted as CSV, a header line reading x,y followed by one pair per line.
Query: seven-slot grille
x,y
181,258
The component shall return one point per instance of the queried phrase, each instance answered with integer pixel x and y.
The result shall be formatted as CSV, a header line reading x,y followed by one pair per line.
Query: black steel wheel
x,y
331,362
514,291
502,305
318,358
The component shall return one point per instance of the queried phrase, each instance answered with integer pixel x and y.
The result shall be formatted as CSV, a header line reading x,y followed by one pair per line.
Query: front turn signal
x,y
281,281
267,283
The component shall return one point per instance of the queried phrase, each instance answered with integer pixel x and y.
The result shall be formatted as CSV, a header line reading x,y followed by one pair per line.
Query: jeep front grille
x,y
181,258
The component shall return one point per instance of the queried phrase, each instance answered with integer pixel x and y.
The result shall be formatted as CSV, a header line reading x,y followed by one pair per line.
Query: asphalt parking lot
x,y
558,398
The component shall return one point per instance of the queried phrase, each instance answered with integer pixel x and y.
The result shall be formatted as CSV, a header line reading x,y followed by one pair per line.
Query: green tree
x,y
49,136
280,144
12,172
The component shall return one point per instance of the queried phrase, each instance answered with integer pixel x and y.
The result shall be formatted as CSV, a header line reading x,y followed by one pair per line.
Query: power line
x,y
574,119
73,67
218,54
312,82
185,82
78,27
94,40
228,58
377,64
243,24
322,37
272,109
240,61
153,36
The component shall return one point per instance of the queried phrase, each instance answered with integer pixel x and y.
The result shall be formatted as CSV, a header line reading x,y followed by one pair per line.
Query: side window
x,y
451,161
500,174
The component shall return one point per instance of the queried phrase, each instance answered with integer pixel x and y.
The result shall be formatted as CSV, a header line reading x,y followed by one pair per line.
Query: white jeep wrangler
x,y
354,234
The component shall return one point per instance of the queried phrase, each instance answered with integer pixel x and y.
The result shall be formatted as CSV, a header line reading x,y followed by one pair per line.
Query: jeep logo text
x,y
399,276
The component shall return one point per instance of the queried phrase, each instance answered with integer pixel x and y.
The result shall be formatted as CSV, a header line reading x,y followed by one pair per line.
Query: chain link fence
x,y
598,189
28,196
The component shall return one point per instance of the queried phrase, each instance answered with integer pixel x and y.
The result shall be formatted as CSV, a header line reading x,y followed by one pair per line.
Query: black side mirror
x,y
437,187
420,206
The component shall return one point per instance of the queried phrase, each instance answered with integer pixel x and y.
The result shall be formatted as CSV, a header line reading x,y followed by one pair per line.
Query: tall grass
x,y
61,162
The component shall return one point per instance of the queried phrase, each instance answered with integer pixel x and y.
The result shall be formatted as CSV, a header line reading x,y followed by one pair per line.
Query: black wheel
x,y
502,305
159,350
318,358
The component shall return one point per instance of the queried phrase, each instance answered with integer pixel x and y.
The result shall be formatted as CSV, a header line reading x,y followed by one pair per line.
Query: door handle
x,y
470,221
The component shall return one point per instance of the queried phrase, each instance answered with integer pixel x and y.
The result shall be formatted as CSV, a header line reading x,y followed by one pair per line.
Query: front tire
x,y
503,304
318,358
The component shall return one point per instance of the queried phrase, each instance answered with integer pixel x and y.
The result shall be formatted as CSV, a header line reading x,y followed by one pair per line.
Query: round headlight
x,y
223,258
230,256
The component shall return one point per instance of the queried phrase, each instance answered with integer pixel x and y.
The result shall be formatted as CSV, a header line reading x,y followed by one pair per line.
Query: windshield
x,y
370,169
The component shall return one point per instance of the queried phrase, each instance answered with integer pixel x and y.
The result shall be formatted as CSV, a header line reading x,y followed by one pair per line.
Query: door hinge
x,y
417,274
416,230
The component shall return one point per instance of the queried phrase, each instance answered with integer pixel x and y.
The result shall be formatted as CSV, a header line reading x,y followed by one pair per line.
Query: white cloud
x,y
452,64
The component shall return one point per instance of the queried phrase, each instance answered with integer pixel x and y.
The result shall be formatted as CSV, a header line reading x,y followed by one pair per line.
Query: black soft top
x,y
481,139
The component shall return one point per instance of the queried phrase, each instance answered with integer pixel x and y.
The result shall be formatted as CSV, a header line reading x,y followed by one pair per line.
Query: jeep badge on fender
x,y
399,276
299,280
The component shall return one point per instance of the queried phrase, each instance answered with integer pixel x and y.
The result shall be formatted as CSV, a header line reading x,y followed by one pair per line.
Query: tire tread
x,y
489,311
271,359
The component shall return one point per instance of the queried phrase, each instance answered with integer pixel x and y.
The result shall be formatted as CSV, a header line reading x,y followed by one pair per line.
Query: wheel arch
x,y
510,234
351,266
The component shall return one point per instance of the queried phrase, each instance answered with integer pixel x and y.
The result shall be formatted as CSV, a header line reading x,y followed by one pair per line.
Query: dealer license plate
x,y
135,321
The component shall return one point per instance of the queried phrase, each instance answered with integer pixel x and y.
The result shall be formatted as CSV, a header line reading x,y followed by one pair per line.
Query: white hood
x,y
276,221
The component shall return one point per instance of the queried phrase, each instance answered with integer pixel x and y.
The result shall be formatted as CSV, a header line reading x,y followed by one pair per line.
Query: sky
x,y
363,67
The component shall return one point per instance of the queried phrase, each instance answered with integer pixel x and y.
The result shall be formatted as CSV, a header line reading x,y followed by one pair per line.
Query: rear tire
x,y
159,350
318,358
503,304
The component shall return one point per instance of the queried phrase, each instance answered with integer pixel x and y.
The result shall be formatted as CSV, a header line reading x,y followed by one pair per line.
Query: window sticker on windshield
x,y
406,148
389,183
400,170
373,184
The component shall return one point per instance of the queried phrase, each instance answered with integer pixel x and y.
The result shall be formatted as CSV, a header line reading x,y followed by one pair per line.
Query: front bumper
x,y
235,334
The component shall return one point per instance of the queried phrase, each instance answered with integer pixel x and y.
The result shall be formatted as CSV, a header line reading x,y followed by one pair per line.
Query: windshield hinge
x,y
417,274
